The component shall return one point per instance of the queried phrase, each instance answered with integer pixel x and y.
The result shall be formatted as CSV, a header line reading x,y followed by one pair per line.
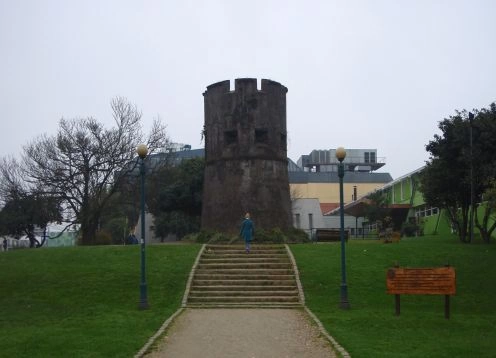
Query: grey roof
x,y
293,167
190,154
332,177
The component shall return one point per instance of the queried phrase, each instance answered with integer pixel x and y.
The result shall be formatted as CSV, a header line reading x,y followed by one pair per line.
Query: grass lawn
x,y
83,301
370,328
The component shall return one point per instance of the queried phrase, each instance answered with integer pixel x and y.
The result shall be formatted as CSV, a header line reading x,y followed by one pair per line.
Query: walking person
x,y
4,244
247,231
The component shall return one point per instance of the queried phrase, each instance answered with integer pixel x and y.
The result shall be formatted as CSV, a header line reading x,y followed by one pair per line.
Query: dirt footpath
x,y
251,333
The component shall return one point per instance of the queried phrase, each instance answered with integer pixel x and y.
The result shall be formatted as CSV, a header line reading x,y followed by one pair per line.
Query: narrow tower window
x,y
261,136
230,137
283,144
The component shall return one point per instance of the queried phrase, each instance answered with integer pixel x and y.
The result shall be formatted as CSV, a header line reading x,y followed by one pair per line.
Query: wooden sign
x,y
421,281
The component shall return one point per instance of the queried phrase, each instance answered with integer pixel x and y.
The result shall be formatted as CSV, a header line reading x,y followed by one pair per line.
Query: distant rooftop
x,y
360,160
359,163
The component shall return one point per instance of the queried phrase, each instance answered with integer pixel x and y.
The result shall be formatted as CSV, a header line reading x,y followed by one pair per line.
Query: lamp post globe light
x,y
142,152
340,155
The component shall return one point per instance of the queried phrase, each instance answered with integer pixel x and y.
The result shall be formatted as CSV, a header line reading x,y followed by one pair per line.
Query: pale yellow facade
x,y
329,192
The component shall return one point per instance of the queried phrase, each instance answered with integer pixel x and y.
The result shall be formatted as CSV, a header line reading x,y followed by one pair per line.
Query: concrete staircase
x,y
226,276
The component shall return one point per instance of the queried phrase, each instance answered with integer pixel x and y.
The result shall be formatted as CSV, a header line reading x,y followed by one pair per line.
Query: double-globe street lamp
x,y
340,155
142,151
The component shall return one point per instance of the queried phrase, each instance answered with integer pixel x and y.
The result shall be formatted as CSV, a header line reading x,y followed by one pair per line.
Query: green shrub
x,y
272,236
103,237
261,236
118,229
295,235
409,229
202,236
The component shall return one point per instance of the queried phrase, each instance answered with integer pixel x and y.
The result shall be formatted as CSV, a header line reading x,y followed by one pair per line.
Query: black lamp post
x,y
142,151
340,155
472,207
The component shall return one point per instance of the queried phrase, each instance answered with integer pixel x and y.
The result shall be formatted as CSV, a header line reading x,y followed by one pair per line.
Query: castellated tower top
x,y
246,122
248,85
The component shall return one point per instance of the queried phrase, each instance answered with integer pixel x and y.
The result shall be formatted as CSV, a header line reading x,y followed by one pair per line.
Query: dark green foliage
x,y
175,198
410,229
120,215
103,237
295,235
376,208
273,236
176,223
201,237
446,180
22,213
279,236
489,199
377,211
118,229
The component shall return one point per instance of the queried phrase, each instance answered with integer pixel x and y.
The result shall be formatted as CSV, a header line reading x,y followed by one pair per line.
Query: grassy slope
x,y
370,328
83,301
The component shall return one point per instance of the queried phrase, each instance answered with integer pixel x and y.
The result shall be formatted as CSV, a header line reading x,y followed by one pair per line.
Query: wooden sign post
x,y
422,281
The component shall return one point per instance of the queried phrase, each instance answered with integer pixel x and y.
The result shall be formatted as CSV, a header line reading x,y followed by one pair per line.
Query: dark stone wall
x,y
246,156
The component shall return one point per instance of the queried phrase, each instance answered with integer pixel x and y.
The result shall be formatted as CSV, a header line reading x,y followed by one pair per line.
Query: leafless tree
x,y
79,163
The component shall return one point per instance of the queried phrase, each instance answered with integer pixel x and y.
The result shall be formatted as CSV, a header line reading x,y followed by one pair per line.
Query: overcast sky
x,y
360,74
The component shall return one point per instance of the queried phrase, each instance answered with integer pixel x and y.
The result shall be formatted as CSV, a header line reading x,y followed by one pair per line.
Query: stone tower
x,y
246,156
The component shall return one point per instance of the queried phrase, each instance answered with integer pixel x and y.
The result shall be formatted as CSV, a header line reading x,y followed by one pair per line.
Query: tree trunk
x,y
484,230
88,231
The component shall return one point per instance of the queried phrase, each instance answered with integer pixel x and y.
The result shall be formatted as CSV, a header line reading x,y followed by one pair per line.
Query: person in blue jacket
x,y
247,231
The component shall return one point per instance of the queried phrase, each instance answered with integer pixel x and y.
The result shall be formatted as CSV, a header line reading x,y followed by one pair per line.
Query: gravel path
x,y
251,333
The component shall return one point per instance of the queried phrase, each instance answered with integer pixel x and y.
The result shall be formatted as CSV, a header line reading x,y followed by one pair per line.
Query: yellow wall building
x,y
329,192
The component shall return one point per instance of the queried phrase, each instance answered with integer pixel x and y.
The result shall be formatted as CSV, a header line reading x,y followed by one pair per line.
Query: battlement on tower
x,y
245,85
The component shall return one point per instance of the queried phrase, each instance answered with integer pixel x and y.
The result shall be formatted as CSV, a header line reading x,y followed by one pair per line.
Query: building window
x,y
230,137
310,221
297,221
369,157
425,211
261,136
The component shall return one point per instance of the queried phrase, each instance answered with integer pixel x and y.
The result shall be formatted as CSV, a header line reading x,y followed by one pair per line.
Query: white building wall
x,y
301,219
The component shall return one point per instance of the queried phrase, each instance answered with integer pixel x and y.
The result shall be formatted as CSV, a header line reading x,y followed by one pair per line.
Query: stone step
x,y
252,272
209,288
243,282
242,293
244,299
243,255
245,305
227,276
245,259
205,275
242,251
244,265
242,247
